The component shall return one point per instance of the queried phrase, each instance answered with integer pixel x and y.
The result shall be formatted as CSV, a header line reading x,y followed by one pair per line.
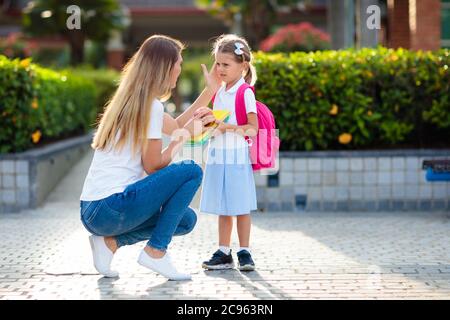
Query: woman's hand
x,y
203,111
206,115
212,78
197,124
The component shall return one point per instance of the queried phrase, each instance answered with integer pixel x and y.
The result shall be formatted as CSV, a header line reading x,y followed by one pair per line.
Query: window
x,y
445,24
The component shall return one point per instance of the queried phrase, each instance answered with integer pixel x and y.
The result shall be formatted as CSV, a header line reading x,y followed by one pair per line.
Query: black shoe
x,y
219,261
245,261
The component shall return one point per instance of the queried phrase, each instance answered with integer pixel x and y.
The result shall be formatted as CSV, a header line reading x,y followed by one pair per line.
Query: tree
x,y
257,15
96,19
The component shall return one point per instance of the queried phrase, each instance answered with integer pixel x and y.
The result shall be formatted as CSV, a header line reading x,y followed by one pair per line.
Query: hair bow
x,y
239,47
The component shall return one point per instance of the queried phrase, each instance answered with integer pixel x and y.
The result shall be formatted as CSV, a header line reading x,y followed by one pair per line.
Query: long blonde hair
x,y
144,78
226,44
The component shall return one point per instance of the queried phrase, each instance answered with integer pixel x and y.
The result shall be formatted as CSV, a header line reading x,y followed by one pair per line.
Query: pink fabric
x,y
265,145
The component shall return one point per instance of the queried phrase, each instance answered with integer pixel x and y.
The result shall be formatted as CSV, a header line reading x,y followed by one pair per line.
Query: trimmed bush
x,y
191,81
39,105
357,99
105,80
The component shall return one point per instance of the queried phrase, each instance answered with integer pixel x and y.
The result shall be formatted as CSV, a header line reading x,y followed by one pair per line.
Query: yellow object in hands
x,y
220,115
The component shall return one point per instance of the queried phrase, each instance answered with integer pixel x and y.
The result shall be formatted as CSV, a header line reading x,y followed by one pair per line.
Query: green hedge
x,y
105,80
372,97
39,105
357,99
191,81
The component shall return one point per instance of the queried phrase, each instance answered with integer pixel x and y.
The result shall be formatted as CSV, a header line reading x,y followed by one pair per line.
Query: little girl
x,y
229,187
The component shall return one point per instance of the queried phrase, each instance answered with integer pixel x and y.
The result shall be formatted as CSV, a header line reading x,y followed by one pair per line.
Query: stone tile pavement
x,y
44,254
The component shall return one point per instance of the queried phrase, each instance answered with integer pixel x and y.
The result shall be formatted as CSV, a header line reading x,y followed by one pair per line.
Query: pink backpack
x,y
265,145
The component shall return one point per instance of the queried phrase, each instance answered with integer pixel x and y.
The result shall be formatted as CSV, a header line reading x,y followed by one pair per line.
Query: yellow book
x,y
220,115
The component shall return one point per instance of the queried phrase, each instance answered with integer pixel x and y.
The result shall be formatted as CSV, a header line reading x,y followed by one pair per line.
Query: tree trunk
x,y
258,20
76,40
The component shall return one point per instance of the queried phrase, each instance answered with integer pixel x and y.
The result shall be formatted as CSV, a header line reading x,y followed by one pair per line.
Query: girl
x,y
131,193
229,187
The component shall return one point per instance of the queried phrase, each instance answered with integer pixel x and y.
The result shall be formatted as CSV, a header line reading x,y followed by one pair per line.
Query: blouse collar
x,y
236,86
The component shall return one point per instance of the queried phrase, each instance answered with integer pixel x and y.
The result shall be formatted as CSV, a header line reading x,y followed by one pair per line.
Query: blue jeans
x,y
155,208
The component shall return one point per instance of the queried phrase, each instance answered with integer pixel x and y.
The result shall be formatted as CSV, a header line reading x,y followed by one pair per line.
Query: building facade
x,y
419,24
411,24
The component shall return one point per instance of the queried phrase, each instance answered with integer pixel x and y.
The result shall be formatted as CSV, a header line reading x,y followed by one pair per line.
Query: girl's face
x,y
227,68
176,72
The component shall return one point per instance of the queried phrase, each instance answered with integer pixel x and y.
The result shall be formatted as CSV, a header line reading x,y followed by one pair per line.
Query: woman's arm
x,y
169,124
154,158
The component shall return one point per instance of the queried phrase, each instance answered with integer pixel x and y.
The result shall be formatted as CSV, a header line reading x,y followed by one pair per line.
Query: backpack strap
x,y
240,110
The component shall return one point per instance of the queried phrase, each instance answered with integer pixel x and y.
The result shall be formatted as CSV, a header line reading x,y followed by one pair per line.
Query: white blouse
x,y
225,100
112,171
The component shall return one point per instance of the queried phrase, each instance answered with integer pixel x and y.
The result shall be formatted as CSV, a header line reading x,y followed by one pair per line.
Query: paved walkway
x,y
44,254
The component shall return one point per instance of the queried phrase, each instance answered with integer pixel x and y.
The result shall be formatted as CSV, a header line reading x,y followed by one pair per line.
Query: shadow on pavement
x,y
112,288
415,245
251,281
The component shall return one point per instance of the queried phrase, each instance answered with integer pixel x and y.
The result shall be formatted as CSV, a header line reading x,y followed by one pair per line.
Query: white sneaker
x,y
163,266
102,256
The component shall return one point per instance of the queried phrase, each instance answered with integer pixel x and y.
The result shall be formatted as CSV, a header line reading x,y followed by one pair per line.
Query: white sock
x,y
225,249
245,248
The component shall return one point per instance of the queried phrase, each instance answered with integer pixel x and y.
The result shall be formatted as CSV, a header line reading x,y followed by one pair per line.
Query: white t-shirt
x,y
112,171
225,100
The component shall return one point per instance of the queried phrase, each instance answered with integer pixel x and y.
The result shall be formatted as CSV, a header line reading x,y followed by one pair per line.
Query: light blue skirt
x,y
228,184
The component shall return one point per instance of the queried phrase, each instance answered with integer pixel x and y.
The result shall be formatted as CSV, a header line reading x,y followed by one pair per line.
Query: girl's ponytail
x,y
250,77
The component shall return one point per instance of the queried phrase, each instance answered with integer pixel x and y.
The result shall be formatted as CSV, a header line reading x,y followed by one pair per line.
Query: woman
x,y
120,205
